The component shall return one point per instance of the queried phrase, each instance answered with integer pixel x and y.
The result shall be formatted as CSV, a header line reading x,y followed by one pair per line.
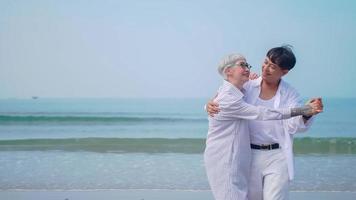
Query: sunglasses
x,y
244,65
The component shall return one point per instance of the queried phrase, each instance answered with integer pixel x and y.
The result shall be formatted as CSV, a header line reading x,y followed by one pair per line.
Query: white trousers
x,y
269,178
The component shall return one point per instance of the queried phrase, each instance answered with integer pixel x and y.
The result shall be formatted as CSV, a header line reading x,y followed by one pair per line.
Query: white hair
x,y
229,61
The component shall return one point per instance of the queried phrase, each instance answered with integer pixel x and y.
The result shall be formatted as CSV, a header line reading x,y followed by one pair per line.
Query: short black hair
x,y
282,56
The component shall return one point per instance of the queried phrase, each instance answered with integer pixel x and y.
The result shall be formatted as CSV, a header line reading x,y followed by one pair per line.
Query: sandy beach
x,y
152,195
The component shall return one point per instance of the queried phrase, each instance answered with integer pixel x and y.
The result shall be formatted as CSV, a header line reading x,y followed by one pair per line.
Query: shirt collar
x,y
257,83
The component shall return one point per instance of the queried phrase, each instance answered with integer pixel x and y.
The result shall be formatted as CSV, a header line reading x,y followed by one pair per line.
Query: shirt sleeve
x,y
232,108
296,124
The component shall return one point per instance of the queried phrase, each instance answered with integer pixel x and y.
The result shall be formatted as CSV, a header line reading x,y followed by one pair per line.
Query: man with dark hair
x,y
271,141
282,56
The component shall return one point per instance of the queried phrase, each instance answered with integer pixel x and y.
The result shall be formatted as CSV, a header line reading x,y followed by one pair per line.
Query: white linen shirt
x,y
286,97
227,153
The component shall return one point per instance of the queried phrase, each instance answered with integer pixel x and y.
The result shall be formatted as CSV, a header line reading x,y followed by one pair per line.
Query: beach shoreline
x,y
151,194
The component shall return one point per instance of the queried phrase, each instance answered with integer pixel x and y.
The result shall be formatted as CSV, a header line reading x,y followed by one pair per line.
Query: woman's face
x,y
239,73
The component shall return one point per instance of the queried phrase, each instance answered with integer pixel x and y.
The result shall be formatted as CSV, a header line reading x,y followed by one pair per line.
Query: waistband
x,y
265,146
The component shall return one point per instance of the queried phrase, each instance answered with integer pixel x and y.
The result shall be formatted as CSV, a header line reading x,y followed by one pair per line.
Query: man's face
x,y
272,72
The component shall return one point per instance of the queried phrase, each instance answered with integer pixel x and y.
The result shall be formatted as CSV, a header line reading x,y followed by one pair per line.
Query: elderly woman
x,y
227,152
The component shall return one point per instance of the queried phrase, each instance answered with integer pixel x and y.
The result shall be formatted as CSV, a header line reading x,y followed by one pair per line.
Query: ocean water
x,y
148,144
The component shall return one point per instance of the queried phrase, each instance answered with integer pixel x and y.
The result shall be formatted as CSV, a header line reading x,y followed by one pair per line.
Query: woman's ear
x,y
228,71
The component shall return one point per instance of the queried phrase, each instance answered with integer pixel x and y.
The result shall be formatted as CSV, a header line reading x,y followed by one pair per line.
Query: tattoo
x,y
304,110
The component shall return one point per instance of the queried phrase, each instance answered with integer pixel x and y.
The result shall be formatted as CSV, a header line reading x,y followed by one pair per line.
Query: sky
x,y
169,48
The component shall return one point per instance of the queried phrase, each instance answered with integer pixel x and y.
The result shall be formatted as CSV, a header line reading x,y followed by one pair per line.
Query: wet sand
x,y
151,195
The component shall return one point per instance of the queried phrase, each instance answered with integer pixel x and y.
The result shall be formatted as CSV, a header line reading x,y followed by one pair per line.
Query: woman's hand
x,y
253,76
212,108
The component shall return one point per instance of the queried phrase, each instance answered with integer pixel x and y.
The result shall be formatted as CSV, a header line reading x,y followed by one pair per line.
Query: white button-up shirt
x,y
227,153
286,97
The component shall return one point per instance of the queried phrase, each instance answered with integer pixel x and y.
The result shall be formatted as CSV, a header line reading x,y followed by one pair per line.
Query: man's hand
x,y
212,108
316,104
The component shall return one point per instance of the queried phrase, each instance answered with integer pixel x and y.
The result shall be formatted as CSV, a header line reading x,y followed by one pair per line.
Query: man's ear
x,y
285,71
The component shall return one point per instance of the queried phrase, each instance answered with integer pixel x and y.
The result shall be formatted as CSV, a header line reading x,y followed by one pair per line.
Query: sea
x,y
94,144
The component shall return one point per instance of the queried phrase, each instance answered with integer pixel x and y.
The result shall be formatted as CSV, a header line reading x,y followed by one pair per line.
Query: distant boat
x,y
34,97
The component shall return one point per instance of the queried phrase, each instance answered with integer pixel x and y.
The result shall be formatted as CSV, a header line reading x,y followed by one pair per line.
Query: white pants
x,y
269,178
